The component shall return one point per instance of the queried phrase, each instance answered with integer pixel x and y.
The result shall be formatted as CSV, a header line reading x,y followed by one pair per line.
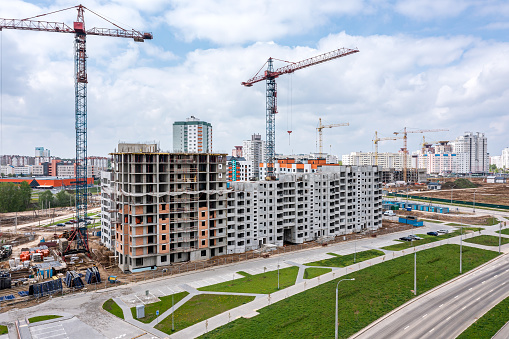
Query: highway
x,y
447,311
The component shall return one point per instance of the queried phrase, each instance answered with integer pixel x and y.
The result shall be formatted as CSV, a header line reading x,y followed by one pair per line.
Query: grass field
x,y
42,318
376,290
347,260
504,231
199,308
259,283
313,272
162,306
3,329
489,324
112,307
454,224
426,239
475,229
487,240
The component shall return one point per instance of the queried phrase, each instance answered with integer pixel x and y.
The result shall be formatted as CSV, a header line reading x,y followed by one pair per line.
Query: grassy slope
x,y
162,306
3,329
199,308
112,307
489,324
347,260
377,290
313,272
259,283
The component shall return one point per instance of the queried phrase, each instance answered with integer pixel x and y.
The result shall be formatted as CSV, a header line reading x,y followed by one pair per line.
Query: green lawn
x,y
42,318
455,224
313,272
426,239
347,260
489,324
161,306
199,308
475,229
259,283
3,329
487,240
112,307
504,231
333,254
376,291
491,221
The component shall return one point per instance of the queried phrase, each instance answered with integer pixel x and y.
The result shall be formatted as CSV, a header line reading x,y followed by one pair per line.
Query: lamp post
x,y
499,236
461,250
474,204
278,273
336,322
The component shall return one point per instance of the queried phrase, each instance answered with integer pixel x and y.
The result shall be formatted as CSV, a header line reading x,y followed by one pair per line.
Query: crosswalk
x,y
53,331
215,280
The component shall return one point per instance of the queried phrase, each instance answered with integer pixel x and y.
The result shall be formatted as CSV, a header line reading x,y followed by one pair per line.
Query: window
x,y
163,237
204,253
203,214
163,247
202,233
164,258
163,227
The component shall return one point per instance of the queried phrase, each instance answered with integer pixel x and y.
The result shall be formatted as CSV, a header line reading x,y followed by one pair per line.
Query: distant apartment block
x,y
107,211
385,160
239,169
192,136
253,151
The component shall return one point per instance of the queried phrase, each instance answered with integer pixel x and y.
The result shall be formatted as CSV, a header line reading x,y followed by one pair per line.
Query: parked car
x,y
60,224
68,223
414,237
389,213
432,233
406,239
72,221
443,231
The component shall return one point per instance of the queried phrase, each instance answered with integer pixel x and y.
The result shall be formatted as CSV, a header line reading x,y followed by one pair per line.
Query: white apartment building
x,y
253,151
302,207
23,170
107,211
192,136
38,170
239,169
6,170
476,148
385,160
501,161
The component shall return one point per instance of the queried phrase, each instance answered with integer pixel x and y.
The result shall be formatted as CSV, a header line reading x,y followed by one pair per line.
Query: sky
x,y
422,64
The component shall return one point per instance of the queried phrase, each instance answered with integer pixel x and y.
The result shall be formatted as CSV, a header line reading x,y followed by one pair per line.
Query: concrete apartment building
x,y
301,207
192,136
253,151
170,207
108,208
385,160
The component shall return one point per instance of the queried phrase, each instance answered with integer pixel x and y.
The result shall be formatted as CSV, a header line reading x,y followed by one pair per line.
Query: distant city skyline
x,y
422,64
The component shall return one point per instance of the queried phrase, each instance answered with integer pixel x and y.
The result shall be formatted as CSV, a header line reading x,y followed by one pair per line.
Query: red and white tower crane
x,y
78,241
270,76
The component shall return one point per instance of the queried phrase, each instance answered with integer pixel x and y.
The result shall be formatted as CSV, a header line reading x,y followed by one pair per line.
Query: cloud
x,y
431,9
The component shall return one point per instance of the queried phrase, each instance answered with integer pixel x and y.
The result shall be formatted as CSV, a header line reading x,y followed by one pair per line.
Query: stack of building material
x,y
5,280
93,276
45,288
73,279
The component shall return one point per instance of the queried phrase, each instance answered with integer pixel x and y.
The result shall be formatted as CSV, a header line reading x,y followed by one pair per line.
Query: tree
x,y
45,199
11,198
64,199
26,194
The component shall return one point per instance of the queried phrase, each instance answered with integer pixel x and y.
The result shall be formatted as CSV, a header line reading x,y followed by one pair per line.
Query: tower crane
x,y
430,143
376,140
78,240
405,150
320,133
270,76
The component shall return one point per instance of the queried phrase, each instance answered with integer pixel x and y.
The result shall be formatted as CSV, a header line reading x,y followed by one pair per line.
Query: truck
x,y
5,251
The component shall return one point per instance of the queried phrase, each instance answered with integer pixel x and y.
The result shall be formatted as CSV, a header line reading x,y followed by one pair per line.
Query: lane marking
x,y
456,296
478,298
448,318
470,289
431,330
483,282
406,327
491,291
440,305
425,315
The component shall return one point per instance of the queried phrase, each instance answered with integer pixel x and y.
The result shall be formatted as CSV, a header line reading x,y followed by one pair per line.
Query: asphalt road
x,y
446,312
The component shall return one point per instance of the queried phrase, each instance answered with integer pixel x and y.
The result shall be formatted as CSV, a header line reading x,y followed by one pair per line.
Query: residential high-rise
x,y
254,152
192,136
476,148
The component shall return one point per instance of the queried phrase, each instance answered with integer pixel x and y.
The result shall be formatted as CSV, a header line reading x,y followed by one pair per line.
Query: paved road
x,y
448,311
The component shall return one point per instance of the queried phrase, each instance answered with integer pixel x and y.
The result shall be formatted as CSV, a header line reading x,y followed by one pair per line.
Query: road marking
x,y
491,291
456,296
406,327
478,298
464,307
448,318
470,289
496,276
425,315
431,330
440,305
483,282
503,283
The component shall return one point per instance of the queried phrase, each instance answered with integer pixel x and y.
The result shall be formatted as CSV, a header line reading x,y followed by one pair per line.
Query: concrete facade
x,y
108,208
192,136
253,151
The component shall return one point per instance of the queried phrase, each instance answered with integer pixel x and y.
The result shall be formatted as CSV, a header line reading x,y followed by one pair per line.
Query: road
x,y
446,312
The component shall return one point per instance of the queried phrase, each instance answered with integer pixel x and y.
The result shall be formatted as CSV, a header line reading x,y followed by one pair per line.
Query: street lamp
x,y
474,203
278,273
461,250
336,323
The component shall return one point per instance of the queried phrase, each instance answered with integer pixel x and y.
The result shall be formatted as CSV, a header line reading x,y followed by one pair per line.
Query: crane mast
x,y
78,240
376,140
270,76
320,133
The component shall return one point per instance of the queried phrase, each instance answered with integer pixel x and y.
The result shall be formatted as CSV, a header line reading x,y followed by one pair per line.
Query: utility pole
x,y
499,236
461,251
415,272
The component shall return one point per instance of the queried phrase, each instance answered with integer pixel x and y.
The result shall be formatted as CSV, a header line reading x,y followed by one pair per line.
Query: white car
x,y
389,213
443,231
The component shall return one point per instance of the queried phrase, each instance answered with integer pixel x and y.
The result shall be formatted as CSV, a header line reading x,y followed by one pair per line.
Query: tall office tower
x,y
476,148
254,151
169,207
192,136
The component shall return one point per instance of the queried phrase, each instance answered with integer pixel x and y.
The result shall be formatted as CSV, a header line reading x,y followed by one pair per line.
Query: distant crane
x,y
405,149
78,239
271,96
376,140
430,143
320,133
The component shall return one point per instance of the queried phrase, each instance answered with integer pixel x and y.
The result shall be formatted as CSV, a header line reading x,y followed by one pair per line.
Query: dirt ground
x,y
461,218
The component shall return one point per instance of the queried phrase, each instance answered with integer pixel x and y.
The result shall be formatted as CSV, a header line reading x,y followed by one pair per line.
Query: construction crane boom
x,y
320,133
78,240
271,95
405,149
376,140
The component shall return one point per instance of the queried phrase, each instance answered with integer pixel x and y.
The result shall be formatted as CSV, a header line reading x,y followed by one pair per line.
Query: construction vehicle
x,y
5,251
270,76
320,133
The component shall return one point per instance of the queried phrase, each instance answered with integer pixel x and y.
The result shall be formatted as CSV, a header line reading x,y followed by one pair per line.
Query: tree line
x,y
16,198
